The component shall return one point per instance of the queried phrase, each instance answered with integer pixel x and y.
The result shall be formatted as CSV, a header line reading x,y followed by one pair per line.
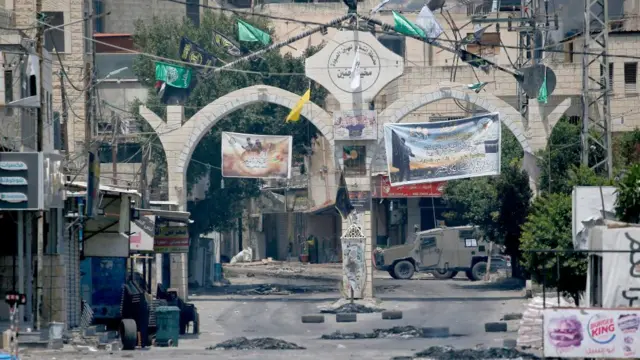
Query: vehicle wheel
x,y
443,274
196,324
128,334
478,270
392,274
404,270
469,275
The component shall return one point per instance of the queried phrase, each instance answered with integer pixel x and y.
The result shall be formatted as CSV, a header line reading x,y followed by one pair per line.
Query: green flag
x,y
406,27
247,32
173,75
542,93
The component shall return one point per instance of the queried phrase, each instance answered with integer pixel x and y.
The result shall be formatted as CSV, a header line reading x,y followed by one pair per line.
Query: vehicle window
x,y
428,241
470,242
466,234
481,248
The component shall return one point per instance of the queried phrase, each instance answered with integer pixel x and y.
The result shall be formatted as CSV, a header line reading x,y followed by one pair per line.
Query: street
x,y
257,304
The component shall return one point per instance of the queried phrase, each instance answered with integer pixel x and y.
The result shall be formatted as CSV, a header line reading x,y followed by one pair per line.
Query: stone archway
x,y
432,93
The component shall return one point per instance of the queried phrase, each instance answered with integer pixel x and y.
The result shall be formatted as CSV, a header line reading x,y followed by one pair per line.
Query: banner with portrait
x,y
355,125
256,156
443,150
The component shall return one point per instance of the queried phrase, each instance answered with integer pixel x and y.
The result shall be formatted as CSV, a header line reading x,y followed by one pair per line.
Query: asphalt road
x,y
237,311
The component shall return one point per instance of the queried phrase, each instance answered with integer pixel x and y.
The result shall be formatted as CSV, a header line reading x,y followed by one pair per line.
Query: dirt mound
x,y
242,343
353,309
404,332
448,353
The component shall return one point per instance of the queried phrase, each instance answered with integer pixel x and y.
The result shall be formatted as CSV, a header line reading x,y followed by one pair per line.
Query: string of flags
x,y
249,33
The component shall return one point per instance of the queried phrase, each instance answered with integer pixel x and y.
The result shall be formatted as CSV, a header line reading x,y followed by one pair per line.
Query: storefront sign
x,y
30,181
143,233
13,180
13,165
592,333
171,239
382,189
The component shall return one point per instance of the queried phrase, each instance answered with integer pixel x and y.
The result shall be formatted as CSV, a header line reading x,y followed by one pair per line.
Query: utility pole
x,y
40,124
596,91
114,149
65,116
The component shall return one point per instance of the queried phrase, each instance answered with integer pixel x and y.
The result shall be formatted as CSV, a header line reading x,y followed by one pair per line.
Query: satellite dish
x,y
533,77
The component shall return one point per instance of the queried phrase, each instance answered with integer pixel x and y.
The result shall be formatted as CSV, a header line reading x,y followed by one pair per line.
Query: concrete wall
x,y
124,13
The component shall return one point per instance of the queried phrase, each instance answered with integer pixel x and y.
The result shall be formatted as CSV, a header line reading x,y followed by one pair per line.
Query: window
x,y
610,75
98,21
57,131
466,234
470,242
127,153
427,242
395,43
489,44
568,52
54,38
631,77
193,11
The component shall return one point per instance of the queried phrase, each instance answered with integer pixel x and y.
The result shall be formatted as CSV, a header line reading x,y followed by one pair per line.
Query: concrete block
x,y
495,327
391,315
509,343
312,319
513,316
346,317
435,332
90,331
55,344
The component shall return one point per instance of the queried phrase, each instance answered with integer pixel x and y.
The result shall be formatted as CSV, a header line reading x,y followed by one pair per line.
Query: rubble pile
x,y
242,343
352,308
449,353
530,331
404,332
274,289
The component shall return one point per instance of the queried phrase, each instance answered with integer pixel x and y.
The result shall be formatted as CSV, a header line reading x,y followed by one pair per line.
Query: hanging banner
x,y
443,150
382,189
355,125
592,333
195,54
171,239
256,156
226,44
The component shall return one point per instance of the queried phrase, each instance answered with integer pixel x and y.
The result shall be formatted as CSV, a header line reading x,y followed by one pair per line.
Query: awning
x,y
324,209
177,216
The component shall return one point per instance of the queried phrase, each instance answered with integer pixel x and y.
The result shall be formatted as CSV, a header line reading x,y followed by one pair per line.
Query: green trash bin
x,y
167,325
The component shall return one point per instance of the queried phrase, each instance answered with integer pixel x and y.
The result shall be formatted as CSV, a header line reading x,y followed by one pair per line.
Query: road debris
x,y
275,289
404,332
242,343
449,353
353,308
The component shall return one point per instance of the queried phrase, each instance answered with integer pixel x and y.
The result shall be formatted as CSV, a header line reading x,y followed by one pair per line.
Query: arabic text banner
x,y
443,150
256,156
592,333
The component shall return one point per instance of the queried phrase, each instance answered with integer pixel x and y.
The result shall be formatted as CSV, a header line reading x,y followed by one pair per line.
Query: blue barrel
x,y
5,356
168,325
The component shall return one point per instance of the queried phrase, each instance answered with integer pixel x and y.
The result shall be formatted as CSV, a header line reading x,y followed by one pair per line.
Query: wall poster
x,y
256,156
355,125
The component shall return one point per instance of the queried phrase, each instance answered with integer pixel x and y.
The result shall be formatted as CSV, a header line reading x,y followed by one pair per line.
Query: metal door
x,y
429,252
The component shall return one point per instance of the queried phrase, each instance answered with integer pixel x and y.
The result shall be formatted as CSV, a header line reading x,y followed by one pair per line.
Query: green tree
x,y
223,205
548,226
497,205
628,195
627,149
561,153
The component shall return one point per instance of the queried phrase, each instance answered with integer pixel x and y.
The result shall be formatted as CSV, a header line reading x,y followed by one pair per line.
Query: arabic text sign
x,y
171,239
444,150
355,125
256,156
592,333
382,189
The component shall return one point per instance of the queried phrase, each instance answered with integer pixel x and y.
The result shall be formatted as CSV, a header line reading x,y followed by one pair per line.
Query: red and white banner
x,y
592,333
382,189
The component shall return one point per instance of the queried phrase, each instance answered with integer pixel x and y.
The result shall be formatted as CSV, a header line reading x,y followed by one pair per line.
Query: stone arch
x,y
208,116
447,90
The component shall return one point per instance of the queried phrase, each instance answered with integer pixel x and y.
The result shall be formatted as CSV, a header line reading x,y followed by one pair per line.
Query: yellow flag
x,y
294,115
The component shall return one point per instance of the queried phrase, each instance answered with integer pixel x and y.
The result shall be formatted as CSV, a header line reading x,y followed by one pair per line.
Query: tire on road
x,y
128,334
435,332
392,315
392,274
312,319
346,317
495,327
404,269
443,274
478,270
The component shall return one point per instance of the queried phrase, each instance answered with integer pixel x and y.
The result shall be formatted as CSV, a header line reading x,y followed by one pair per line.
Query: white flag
x,y
355,71
428,23
379,6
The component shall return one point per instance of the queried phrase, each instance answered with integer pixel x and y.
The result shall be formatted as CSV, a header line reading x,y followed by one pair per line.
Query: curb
x,y
312,319
392,315
495,327
348,317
